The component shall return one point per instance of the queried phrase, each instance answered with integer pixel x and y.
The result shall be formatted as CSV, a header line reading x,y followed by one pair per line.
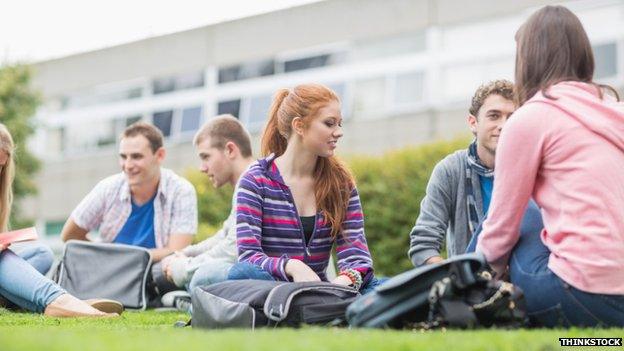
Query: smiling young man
x,y
145,205
460,188
224,149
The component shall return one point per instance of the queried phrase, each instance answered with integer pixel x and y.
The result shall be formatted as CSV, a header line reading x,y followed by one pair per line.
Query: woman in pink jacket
x,y
564,147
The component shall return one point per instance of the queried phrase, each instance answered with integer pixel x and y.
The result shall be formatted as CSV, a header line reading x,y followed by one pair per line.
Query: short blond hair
x,y
222,129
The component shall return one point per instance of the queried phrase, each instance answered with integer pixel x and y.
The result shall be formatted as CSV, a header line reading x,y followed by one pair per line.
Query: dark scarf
x,y
474,165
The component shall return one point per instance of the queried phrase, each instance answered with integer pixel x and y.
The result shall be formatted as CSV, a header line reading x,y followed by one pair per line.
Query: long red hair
x,y
333,180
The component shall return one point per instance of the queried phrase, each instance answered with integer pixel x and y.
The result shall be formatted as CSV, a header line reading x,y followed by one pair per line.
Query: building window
x,y
90,98
408,88
162,120
87,135
460,81
231,107
180,82
190,81
131,120
124,122
247,70
307,63
257,112
369,97
390,46
191,118
606,60
163,85
134,93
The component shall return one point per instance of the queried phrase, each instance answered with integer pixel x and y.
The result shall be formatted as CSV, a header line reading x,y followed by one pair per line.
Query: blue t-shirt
x,y
487,183
139,228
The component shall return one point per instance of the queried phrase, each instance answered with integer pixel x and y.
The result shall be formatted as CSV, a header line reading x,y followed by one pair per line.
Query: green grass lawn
x,y
152,331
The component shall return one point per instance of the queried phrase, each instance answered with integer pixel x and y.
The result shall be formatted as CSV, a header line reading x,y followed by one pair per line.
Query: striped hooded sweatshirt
x,y
269,231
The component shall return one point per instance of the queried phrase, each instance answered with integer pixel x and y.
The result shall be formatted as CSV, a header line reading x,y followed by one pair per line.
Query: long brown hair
x,y
333,181
7,173
552,47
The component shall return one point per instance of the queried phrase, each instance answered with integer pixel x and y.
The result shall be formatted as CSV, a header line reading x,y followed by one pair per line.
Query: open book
x,y
14,236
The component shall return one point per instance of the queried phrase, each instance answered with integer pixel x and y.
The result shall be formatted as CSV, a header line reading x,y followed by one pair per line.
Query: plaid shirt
x,y
108,207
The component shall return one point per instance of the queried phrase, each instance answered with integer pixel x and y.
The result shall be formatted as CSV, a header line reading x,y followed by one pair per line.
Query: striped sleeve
x,y
351,247
249,208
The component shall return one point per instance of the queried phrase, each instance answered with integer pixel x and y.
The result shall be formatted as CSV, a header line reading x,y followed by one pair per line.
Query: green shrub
x,y
213,205
391,188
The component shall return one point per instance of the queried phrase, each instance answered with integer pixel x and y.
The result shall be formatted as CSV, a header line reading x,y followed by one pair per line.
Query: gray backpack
x,y
259,303
113,271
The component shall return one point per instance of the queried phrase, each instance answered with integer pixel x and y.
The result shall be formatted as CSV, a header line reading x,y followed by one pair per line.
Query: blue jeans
x,y
243,270
36,254
214,271
550,301
531,223
23,285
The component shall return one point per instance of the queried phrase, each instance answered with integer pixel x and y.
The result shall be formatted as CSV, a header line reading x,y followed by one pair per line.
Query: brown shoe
x,y
106,305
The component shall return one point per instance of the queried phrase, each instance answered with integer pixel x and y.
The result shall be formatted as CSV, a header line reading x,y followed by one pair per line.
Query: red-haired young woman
x,y
300,200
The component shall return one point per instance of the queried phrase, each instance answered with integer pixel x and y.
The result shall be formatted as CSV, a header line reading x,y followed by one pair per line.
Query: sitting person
x,y
564,147
295,204
224,148
460,188
20,282
144,205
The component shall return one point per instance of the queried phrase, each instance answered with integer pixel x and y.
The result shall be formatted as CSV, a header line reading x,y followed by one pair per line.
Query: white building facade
x,y
405,71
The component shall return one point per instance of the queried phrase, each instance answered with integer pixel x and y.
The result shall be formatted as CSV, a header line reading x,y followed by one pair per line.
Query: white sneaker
x,y
169,299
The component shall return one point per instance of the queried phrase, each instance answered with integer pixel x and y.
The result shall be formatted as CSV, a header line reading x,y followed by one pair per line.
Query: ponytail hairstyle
x,y
7,173
333,182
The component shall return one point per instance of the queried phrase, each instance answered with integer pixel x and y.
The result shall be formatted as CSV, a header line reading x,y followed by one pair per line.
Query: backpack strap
x,y
278,301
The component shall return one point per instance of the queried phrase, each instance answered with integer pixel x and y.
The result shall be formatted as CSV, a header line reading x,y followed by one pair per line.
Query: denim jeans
x,y
36,254
551,302
215,271
23,285
243,270
531,223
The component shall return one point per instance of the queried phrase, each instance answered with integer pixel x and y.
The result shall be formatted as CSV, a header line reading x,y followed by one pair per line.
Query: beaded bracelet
x,y
354,276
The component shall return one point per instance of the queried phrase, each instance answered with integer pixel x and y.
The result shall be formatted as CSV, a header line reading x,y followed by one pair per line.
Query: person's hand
x,y
168,273
434,259
4,247
342,280
179,254
300,272
165,265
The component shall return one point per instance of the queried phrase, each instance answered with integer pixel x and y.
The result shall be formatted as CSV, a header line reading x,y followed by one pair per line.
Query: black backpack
x,y
259,303
458,292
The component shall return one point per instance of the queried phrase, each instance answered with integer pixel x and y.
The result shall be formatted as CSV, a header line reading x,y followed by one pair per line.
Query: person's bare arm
x,y
176,242
71,231
434,259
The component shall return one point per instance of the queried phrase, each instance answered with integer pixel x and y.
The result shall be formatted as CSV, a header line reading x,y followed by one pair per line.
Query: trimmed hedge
x,y
391,188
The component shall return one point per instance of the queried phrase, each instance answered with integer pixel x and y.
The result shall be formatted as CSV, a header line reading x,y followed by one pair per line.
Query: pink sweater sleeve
x,y
518,158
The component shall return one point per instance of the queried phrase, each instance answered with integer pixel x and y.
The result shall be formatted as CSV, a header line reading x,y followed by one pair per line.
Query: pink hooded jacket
x,y
568,154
